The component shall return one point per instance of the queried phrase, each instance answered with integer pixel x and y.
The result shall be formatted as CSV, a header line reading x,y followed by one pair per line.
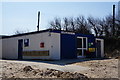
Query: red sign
x,y
42,45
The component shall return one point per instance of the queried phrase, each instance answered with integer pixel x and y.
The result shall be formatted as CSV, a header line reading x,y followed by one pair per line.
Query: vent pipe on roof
x,y
38,21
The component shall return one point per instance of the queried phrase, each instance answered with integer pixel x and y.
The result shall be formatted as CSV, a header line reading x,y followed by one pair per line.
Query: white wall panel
x,y
52,43
9,48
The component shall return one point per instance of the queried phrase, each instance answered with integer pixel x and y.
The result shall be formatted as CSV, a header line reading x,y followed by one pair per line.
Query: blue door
x,y
20,48
68,47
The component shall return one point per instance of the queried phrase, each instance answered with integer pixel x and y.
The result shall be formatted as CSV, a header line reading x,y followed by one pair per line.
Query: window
x,y
81,46
79,52
84,42
79,42
26,42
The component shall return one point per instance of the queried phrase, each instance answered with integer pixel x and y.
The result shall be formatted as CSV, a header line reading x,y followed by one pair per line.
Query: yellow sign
x,y
91,49
35,53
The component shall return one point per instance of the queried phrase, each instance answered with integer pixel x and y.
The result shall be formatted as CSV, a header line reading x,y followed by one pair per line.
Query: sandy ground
x,y
107,68
29,69
44,65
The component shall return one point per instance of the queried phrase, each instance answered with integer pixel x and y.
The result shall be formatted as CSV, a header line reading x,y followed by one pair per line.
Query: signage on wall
x,y
68,33
26,42
91,49
90,44
42,45
36,53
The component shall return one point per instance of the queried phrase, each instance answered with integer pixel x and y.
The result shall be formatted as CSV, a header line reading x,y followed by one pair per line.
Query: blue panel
x,y
84,35
68,46
91,40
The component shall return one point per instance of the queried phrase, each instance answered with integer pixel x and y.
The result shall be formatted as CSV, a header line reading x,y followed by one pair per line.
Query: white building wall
x,y
55,46
52,43
10,48
102,47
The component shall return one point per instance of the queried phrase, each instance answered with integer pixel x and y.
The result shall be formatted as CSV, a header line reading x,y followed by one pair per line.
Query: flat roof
x,y
47,30
22,34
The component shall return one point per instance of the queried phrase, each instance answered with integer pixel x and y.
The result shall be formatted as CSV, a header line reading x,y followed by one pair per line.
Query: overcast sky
x,y
22,16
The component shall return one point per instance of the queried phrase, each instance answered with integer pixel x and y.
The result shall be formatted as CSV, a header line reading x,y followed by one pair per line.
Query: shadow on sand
x,y
64,61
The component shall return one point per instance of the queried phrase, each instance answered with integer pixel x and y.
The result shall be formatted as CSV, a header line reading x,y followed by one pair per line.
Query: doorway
x,y
81,46
99,48
20,48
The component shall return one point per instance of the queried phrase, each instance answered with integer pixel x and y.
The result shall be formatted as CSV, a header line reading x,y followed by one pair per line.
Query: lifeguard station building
x,y
51,44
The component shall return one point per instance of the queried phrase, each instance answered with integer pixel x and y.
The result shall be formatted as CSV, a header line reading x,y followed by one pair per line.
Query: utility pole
x,y
38,21
113,20
119,10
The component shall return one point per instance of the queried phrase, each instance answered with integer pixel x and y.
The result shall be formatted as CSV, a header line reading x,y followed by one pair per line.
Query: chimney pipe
x,y
38,21
113,20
